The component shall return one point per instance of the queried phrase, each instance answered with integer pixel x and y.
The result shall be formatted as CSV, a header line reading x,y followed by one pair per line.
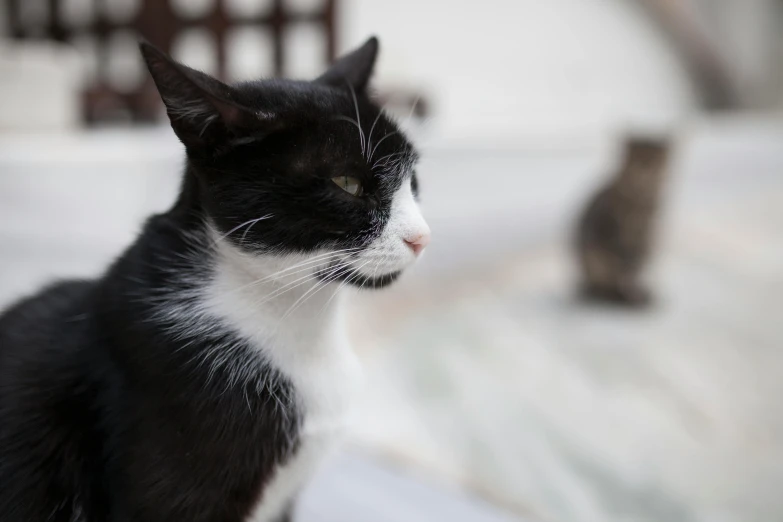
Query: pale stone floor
x,y
484,373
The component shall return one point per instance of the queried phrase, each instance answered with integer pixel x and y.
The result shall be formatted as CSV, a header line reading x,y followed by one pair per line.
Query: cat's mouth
x,y
363,281
346,274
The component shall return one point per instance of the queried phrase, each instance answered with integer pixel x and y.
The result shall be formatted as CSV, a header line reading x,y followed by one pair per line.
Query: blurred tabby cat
x,y
615,231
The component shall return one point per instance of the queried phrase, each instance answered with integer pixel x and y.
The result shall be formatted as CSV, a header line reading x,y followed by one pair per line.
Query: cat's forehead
x,y
301,99
334,127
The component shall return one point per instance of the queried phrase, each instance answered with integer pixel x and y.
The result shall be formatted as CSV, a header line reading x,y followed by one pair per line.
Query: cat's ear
x,y
202,110
354,68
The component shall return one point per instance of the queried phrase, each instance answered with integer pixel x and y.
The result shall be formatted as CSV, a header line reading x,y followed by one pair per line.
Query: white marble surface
x,y
489,373
356,487
484,373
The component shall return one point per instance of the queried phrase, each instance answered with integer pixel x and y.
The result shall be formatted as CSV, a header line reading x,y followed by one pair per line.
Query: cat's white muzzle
x,y
403,239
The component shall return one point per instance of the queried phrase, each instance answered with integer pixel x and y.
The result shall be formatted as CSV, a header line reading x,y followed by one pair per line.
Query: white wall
x,y
748,34
39,87
508,71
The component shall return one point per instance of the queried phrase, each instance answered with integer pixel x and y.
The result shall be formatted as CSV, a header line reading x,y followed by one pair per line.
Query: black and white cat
x,y
206,374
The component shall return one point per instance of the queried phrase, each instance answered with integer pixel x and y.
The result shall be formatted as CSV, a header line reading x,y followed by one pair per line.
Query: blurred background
x,y
494,394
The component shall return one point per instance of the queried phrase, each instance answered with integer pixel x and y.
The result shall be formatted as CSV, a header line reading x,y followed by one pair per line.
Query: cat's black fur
x,y
110,410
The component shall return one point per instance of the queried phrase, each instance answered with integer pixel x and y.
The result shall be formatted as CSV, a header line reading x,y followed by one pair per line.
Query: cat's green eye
x,y
351,185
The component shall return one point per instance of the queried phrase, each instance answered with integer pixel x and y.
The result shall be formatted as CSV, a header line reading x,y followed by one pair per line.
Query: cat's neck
x,y
281,310
273,299
187,204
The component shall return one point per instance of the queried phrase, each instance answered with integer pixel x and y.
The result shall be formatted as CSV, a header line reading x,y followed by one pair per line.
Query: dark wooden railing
x,y
159,22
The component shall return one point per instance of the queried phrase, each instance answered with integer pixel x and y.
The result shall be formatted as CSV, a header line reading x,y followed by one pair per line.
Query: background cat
x,y
615,232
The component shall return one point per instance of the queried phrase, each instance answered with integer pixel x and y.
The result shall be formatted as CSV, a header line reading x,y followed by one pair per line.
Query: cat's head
x,y
647,154
297,170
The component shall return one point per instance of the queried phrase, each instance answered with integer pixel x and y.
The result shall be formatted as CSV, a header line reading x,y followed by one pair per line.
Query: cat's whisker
x,y
358,117
369,137
355,276
375,272
413,109
319,284
352,122
346,269
334,294
381,141
303,266
244,234
333,274
286,288
314,259
387,158
269,278
296,283
238,227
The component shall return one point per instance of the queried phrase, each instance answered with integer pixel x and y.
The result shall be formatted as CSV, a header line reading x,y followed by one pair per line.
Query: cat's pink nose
x,y
417,243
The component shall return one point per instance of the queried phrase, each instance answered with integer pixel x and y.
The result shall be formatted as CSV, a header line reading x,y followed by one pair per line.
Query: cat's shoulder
x,y
61,303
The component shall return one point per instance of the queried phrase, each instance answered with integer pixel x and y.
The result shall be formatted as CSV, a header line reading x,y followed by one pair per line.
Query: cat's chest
x,y
325,385
323,370
290,477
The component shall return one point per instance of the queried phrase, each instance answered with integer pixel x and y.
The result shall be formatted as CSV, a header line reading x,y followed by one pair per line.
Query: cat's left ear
x,y
354,68
203,111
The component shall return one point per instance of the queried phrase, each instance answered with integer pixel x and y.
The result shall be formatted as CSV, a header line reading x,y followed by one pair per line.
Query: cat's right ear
x,y
354,69
202,110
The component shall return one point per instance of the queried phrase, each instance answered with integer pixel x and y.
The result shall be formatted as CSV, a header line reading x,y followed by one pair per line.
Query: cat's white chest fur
x,y
325,386
326,392
303,337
